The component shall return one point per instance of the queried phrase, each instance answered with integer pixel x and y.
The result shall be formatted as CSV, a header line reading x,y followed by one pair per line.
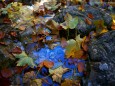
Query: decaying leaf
x,y
81,66
2,34
6,73
57,73
69,82
90,16
88,21
36,82
17,50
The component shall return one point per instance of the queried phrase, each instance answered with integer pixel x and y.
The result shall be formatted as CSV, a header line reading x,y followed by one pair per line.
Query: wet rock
x,y
102,57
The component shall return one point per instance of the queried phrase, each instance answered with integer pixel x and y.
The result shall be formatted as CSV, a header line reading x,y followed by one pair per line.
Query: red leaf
x,y
90,16
6,73
17,50
2,34
81,66
6,20
13,33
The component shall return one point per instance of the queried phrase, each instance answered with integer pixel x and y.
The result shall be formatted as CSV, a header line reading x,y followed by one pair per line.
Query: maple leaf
x,y
24,59
70,22
57,73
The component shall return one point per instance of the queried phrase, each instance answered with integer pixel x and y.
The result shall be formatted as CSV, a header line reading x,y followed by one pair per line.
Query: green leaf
x,y
73,23
26,61
70,22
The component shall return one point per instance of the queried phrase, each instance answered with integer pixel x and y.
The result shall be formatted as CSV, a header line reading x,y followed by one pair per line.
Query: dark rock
x,y
83,28
102,57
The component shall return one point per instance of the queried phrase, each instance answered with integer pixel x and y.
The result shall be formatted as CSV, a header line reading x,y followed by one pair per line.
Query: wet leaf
x,y
70,21
63,42
38,82
47,64
2,34
88,21
81,66
24,59
17,50
90,15
6,73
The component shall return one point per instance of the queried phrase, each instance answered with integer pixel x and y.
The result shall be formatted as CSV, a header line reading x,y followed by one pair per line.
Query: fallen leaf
x,y
2,34
90,15
63,42
69,82
36,82
47,64
57,73
70,21
22,28
81,8
88,21
81,66
16,50
6,73
78,54
24,59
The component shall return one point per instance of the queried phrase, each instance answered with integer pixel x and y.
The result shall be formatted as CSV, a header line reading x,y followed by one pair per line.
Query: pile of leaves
x,y
38,50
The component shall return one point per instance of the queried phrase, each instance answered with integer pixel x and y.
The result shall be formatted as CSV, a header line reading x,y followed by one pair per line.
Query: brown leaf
x,y
6,73
2,34
22,28
88,21
13,33
6,20
16,50
90,16
47,64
